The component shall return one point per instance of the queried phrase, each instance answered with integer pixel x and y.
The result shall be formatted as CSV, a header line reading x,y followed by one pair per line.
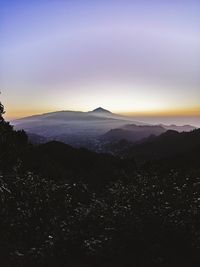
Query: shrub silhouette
x,y
61,206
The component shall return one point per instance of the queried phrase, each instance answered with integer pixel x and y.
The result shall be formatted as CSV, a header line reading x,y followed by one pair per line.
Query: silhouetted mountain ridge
x,y
171,145
133,133
101,110
182,128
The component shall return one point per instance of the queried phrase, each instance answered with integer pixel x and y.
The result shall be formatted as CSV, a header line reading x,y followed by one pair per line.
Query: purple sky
x,y
140,57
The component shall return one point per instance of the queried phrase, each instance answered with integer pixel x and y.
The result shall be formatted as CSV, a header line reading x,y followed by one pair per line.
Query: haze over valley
x,y
91,129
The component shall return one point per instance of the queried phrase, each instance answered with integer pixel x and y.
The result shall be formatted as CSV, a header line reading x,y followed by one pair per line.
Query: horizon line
x,y
12,115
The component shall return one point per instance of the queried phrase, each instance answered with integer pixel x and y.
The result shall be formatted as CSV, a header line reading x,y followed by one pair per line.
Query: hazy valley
x,y
93,129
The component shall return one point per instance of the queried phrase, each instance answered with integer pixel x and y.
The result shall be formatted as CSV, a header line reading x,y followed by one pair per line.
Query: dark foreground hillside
x,y
168,150
61,206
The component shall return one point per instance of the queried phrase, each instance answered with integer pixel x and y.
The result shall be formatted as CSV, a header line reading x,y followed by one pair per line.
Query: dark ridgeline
x,y
172,149
101,110
62,206
133,133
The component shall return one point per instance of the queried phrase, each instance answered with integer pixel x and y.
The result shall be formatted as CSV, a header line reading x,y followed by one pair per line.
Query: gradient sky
x,y
137,57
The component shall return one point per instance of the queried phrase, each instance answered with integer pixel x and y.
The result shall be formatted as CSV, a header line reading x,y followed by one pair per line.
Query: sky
x,y
131,57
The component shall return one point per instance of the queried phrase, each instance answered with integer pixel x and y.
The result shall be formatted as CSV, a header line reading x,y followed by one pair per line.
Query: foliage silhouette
x,y
61,206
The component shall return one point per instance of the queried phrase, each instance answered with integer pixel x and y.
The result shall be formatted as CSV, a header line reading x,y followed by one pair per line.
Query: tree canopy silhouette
x,y
52,216
1,112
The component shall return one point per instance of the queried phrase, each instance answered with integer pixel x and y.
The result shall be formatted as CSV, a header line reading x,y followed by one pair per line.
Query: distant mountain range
x,y
183,128
134,133
72,127
82,128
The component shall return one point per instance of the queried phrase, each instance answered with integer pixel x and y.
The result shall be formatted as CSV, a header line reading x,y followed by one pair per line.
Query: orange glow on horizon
x,y
172,112
16,114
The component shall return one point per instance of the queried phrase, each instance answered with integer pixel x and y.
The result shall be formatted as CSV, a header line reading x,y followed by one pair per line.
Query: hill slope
x,y
171,147
133,133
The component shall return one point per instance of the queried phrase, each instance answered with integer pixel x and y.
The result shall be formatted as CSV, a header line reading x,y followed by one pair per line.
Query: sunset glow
x,y
131,57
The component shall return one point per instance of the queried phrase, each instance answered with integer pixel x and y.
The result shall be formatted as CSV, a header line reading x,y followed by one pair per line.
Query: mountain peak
x,y
101,110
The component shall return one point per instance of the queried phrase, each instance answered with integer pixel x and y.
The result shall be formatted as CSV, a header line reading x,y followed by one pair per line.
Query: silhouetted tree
x,y
1,112
12,144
